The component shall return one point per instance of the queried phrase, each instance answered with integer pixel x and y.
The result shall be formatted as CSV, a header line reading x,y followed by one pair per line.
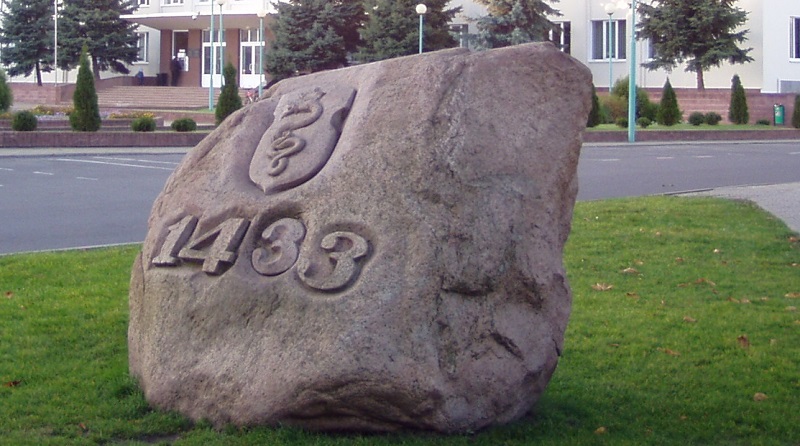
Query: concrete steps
x,y
151,98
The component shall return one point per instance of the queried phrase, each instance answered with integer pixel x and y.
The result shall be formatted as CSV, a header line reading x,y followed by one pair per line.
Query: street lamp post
x,y
421,10
211,63
261,14
55,41
610,11
221,38
632,79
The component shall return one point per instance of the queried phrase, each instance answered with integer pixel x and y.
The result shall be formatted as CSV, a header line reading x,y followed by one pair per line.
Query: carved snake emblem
x,y
286,143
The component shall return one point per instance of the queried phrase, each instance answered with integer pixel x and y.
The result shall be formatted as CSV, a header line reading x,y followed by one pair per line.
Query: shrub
x,y
47,110
131,115
229,99
668,112
184,125
24,121
594,114
796,113
86,117
6,95
697,118
622,122
143,124
643,105
763,122
738,113
644,122
614,107
713,118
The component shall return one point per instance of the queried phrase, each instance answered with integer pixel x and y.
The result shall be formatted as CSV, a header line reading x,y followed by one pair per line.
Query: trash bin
x,y
779,113
162,79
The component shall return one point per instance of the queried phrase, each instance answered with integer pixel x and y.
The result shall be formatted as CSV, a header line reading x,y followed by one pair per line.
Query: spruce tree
x,y
86,114
313,35
229,99
594,114
27,38
737,113
110,40
796,113
392,29
511,22
701,33
6,95
668,112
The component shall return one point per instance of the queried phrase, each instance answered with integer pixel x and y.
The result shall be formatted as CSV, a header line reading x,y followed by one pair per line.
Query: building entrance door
x,y
250,58
212,65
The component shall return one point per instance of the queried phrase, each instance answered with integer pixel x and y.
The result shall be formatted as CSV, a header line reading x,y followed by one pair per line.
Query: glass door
x,y
250,58
212,64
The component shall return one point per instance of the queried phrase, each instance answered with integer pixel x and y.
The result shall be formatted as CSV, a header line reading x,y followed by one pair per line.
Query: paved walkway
x,y
781,200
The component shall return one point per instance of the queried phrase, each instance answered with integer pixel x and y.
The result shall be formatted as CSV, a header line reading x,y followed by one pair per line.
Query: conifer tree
x,y
86,114
737,113
392,29
594,114
702,33
668,112
796,113
229,99
511,22
110,40
6,95
27,38
313,35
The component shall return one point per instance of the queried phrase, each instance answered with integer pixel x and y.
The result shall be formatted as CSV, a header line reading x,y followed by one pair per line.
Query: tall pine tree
x,y
86,114
392,29
27,38
110,40
313,35
701,33
511,22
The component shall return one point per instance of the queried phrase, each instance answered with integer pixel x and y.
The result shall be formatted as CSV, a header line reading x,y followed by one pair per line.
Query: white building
x,y
182,28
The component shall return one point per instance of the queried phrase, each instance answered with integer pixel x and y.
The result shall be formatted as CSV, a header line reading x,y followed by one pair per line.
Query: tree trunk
x,y
38,74
701,85
95,69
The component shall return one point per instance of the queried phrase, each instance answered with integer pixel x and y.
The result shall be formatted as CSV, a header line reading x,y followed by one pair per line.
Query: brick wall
x,y
760,105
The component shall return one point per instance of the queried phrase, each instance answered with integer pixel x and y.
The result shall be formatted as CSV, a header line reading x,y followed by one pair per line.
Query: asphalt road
x,y
69,201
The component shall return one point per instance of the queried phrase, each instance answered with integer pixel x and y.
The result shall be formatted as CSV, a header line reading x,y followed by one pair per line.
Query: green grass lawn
x,y
684,331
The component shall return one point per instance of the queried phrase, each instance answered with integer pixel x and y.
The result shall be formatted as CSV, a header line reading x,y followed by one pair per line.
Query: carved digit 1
x,y
344,263
283,242
179,234
226,239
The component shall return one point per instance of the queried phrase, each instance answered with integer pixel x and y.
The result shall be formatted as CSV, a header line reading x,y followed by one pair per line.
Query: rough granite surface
x,y
371,249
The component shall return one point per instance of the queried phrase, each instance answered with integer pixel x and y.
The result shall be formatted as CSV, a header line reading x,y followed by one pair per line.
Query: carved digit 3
x,y
283,247
344,263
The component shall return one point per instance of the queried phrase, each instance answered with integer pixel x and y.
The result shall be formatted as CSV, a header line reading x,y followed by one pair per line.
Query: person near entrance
x,y
176,67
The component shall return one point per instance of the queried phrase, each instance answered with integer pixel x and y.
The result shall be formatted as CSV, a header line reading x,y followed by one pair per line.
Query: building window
x,y
561,36
608,42
794,38
144,2
142,41
171,2
460,32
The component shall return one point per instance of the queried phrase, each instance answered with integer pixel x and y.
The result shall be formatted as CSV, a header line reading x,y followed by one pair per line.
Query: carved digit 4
x,y
179,234
344,263
226,239
283,246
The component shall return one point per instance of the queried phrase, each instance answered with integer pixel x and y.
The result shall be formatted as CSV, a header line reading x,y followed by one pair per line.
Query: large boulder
x,y
373,248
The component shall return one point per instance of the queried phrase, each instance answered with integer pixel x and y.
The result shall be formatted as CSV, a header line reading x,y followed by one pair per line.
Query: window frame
x,y
618,35
794,39
142,46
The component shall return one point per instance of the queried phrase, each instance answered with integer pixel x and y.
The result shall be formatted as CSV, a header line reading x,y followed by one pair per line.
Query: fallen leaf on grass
x,y
745,301
9,294
717,251
679,260
669,351
733,299
744,342
689,319
794,239
600,430
630,271
12,383
792,296
602,287
791,309
759,396
795,265
699,281
633,295
764,298
83,427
